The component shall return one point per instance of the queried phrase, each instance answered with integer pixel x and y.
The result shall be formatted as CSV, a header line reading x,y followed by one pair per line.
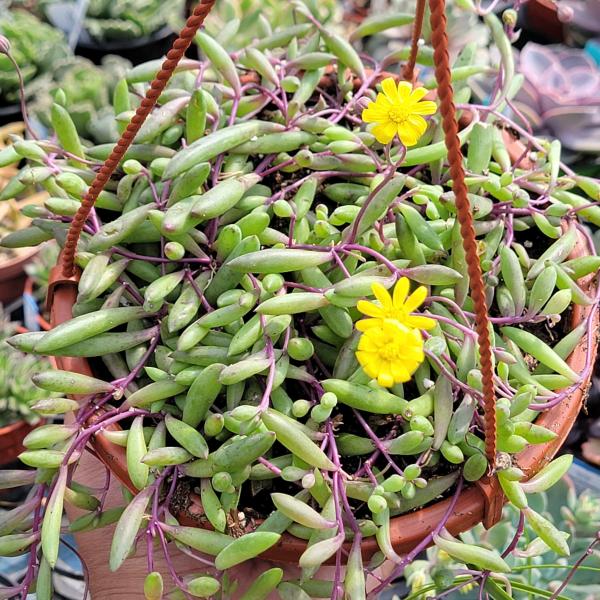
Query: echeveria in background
x,y
561,95
586,14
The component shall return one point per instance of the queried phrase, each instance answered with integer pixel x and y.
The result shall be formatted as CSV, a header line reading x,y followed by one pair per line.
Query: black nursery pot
x,y
9,113
137,50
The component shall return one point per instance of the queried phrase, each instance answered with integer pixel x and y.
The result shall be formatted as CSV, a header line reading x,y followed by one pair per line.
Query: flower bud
x,y
509,17
4,45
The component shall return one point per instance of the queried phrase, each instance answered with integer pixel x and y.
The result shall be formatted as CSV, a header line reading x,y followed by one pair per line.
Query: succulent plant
x,y
585,16
535,568
560,96
107,20
265,207
88,90
34,45
11,218
18,393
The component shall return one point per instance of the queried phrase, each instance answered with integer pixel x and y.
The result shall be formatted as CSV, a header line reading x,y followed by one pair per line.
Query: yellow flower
x,y
390,352
399,307
399,110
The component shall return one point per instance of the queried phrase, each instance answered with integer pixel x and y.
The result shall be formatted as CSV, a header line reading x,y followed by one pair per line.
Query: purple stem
x,y
377,442
397,572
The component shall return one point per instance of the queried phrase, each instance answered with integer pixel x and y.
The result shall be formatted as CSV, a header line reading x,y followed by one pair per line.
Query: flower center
x,y
398,114
392,351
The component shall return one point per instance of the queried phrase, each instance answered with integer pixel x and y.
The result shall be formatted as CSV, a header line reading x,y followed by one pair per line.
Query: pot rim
x,y
14,434
482,501
24,255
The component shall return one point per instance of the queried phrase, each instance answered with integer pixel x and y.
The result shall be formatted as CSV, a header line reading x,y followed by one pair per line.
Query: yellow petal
x,y
415,299
420,322
419,123
385,132
426,107
385,378
370,309
389,89
407,134
374,114
365,324
400,292
418,94
400,372
367,344
404,90
383,102
382,295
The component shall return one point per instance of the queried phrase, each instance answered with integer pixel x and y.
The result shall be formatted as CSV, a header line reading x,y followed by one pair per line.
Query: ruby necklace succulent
x,y
224,271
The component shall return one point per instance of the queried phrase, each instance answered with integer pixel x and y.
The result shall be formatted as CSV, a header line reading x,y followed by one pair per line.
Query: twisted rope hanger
x,y
408,72
439,41
175,54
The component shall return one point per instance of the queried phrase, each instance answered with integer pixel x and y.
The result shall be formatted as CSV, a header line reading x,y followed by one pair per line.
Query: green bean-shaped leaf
x,y
279,260
264,584
87,326
513,277
547,532
344,51
66,382
378,23
136,450
245,548
295,440
127,528
482,558
220,59
187,436
52,519
531,344
300,512
549,475
555,253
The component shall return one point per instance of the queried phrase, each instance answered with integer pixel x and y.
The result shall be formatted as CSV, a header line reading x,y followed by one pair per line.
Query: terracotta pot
x,y
13,276
11,441
481,502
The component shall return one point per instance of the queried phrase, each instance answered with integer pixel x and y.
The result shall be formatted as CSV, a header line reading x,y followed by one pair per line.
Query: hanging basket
x,y
480,502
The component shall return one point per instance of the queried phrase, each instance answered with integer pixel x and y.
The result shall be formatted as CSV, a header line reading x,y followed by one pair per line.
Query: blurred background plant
x,y
38,270
560,96
236,23
17,391
88,89
536,570
109,20
35,46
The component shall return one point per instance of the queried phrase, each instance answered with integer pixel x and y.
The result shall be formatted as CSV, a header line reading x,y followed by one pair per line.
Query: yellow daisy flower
x,y
390,352
398,307
399,111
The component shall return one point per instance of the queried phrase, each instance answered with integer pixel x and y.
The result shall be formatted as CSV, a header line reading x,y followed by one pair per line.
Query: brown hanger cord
x,y
408,71
441,60
180,45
